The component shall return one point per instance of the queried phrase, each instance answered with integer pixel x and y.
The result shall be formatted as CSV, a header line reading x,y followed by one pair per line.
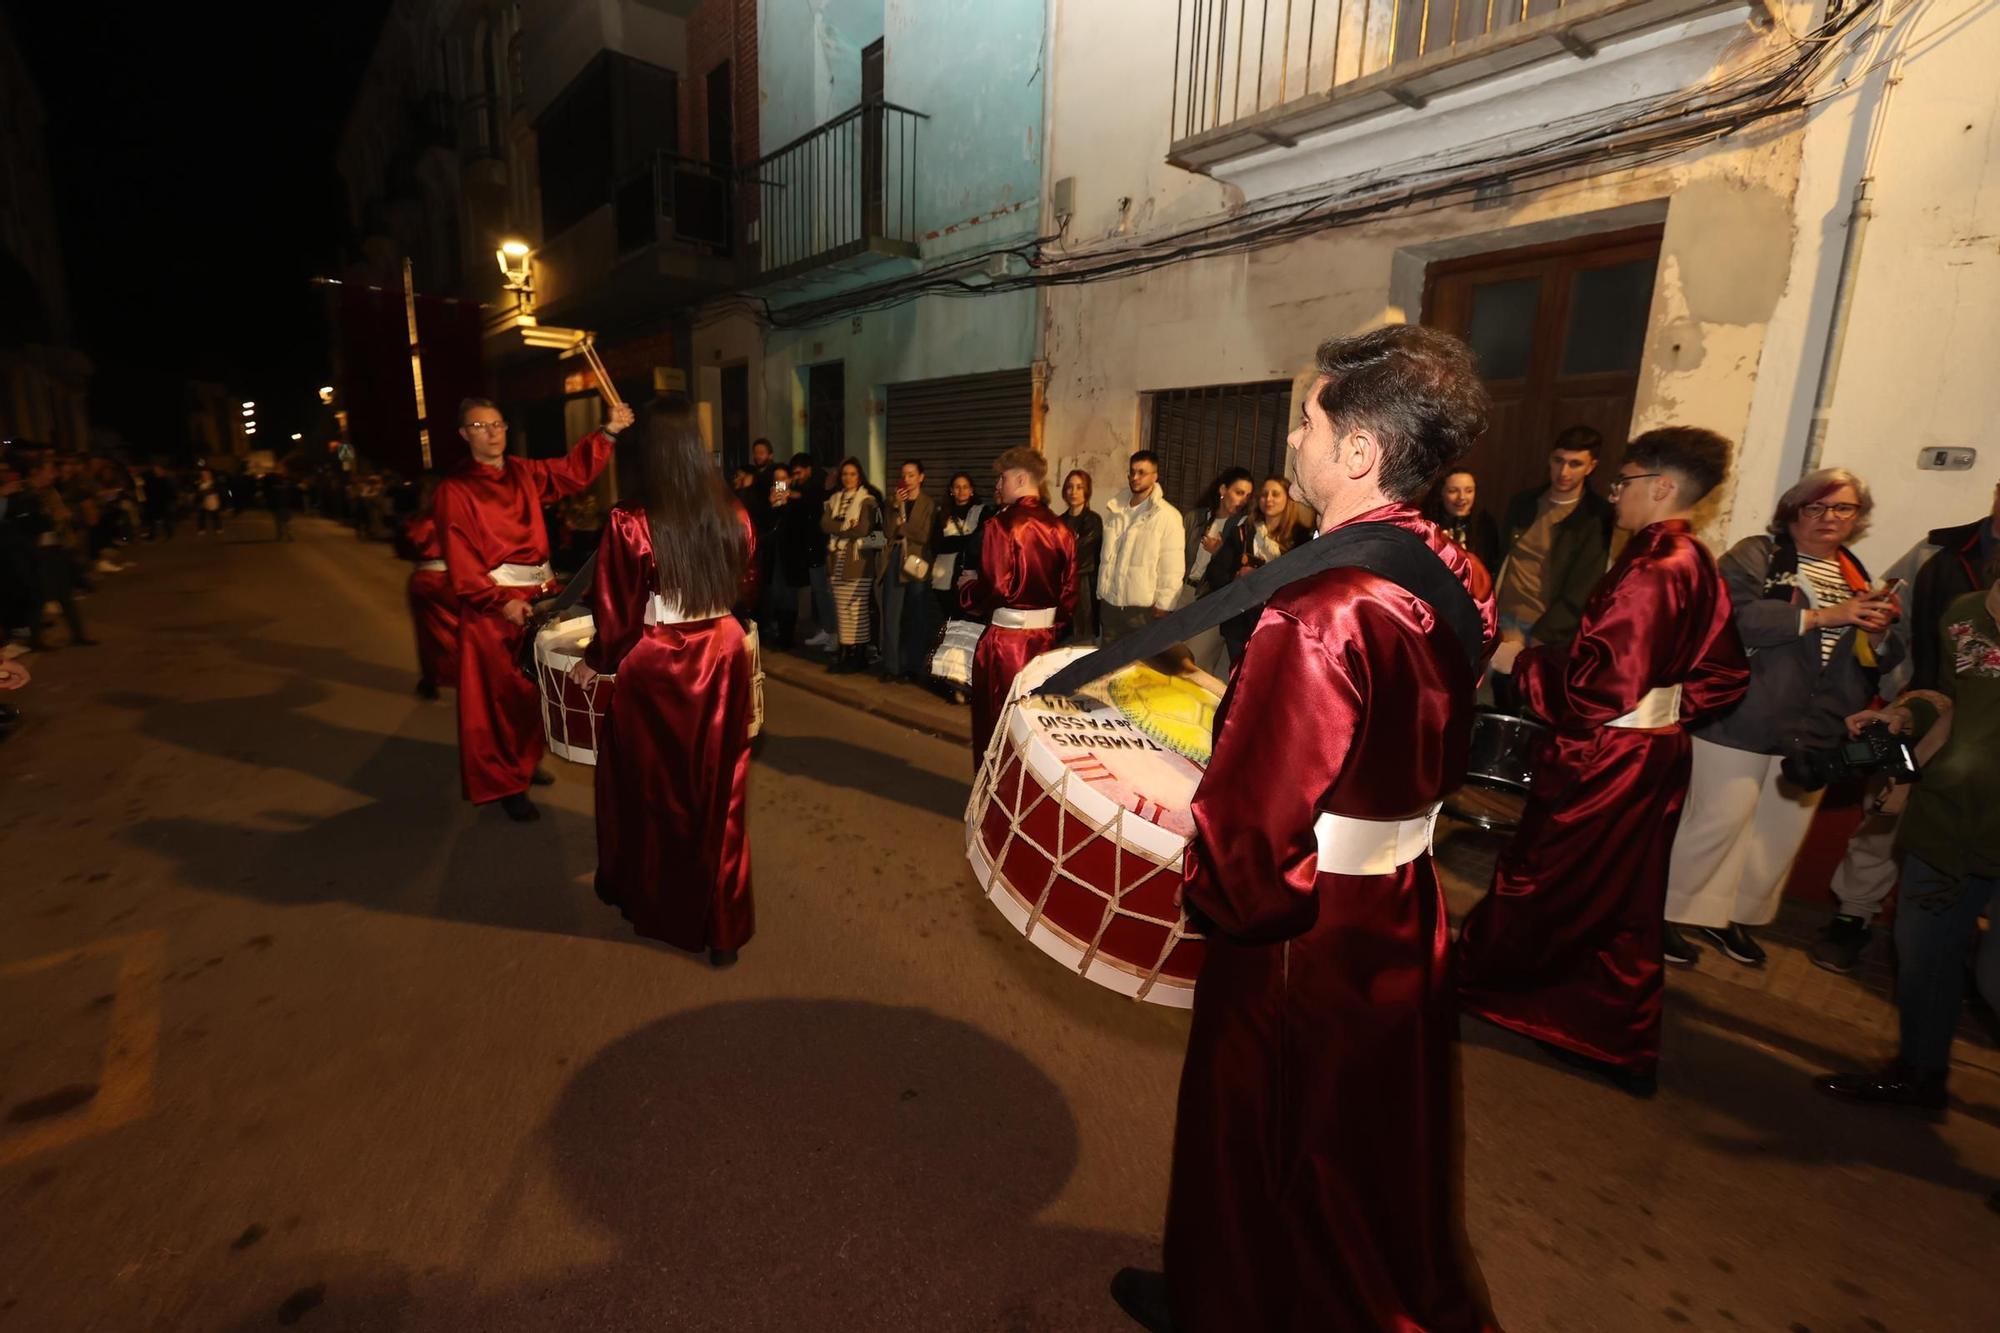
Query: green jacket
x,y
1953,820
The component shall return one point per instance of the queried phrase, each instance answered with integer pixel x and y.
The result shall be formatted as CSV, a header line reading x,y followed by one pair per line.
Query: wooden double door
x,y
1559,331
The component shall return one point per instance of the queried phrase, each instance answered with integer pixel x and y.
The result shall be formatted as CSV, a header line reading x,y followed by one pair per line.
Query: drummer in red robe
x,y
1024,587
1315,1168
496,550
673,753
1566,947
433,605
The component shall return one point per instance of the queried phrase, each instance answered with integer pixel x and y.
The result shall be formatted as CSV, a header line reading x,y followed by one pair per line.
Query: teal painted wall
x,y
974,67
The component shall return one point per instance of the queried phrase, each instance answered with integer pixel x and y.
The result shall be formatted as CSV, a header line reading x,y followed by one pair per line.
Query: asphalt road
x,y
290,1036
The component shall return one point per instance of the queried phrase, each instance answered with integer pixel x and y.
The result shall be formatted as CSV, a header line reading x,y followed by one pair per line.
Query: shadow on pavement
x,y
450,862
772,1164
826,759
1728,1063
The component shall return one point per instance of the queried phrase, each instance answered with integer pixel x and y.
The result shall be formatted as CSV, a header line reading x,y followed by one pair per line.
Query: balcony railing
x,y
675,199
845,189
1236,58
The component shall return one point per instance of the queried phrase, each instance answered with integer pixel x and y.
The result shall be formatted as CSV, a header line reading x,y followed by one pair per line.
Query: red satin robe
x,y
1027,561
1566,946
1316,1179
433,605
673,754
488,517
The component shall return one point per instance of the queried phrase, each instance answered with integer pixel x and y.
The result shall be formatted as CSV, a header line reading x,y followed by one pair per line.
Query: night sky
x,y
192,147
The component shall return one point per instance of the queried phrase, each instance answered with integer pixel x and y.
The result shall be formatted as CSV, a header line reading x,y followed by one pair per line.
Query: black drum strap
x,y
1392,552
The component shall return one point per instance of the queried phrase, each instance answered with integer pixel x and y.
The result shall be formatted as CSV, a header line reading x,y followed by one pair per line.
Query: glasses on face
x,y
1619,483
490,427
1818,510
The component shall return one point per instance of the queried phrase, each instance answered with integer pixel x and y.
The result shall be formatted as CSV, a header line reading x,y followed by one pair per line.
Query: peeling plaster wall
x,y
1917,370
1754,227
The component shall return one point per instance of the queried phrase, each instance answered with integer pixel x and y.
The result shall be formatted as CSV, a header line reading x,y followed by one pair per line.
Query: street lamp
x,y
296,437
516,267
326,394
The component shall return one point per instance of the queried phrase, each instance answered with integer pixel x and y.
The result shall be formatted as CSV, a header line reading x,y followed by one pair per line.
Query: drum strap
x,y
1384,549
572,593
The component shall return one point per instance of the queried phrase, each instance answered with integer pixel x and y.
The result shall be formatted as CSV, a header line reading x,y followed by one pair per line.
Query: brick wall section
x,y
720,30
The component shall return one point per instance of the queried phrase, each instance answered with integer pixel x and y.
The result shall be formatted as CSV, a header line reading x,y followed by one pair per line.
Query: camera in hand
x,y
1875,750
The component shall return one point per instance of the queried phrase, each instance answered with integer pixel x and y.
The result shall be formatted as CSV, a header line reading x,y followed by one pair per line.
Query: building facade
x,y
1637,211
901,142
44,380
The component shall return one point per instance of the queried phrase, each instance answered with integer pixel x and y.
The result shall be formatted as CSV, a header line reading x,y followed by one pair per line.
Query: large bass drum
x,y
573,714
1077,828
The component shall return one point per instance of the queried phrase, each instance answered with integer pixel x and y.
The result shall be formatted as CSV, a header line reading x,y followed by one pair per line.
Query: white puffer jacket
x,y
1143,560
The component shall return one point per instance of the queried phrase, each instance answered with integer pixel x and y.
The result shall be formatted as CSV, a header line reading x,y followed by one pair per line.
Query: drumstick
x,y
604,385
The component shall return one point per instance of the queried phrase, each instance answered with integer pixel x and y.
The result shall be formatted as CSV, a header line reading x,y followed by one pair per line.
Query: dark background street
x,y
290,1034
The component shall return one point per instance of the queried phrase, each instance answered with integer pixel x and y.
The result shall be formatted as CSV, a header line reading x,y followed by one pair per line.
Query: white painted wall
x,y
1753,232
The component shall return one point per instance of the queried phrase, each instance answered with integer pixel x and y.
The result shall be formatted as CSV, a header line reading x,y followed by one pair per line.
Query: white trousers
x,y
1739,833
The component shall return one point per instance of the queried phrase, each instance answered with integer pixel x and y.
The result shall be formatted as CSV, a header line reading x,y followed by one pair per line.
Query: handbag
x,y
916,567
951,660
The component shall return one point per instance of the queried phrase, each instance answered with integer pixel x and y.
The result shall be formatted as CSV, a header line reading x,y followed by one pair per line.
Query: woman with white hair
x,y
1819,637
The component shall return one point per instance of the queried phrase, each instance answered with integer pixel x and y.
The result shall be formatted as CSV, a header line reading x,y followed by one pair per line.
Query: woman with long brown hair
x,y
1270,525
673,753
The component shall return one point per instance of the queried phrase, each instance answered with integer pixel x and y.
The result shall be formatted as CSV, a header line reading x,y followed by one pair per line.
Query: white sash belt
x,y
521,576
660,611
1008,617
1349,846
432,566
1661,707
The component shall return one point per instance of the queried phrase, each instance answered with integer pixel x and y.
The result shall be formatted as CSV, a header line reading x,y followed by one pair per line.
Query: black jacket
x,y
1949,574
1578,557
1476,532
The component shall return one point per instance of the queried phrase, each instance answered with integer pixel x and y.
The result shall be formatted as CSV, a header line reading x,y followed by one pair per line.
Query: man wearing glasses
x,y
1566,948
496,550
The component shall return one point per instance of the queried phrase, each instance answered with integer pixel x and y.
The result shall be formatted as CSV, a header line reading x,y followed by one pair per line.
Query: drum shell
x,y
1092,883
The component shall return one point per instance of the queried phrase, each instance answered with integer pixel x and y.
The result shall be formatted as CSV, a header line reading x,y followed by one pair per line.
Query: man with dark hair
x,y
496,550
910,522
1315,1179
799,547
1566,947
1141,564
1554,545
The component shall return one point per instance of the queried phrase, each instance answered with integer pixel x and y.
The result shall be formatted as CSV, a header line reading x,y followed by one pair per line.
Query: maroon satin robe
x,y
1027,561
488,517
1316,1183
1566,946
673,754
433,605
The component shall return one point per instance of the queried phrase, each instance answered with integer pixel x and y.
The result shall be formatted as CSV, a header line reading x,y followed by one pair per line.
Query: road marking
x,y
125,1080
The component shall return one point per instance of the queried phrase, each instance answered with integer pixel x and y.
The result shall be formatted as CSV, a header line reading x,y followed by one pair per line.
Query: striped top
x,y
1829,589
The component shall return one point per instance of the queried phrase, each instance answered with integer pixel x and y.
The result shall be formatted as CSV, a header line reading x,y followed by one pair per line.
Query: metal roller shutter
x,y
1199,432
960,424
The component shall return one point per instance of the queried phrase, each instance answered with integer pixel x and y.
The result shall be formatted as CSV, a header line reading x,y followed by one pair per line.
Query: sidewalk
x,y
906,705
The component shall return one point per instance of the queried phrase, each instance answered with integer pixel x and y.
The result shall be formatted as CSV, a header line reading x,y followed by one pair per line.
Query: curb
x,y
864,696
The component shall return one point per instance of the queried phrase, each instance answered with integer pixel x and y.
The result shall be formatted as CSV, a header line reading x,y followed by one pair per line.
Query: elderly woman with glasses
x,y
1819,637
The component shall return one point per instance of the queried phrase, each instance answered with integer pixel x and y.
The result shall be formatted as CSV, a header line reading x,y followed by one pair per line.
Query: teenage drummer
x,y
496,549
1024,587
1566,947
673,753
1315,1179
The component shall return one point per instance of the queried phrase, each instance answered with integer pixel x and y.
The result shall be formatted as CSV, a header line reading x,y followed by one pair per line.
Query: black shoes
x,y
1629,1081
1674,947
1142,1295
1840,945
848,659
427,691
721,958
520,809
1895,1086
1734,940
543,778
